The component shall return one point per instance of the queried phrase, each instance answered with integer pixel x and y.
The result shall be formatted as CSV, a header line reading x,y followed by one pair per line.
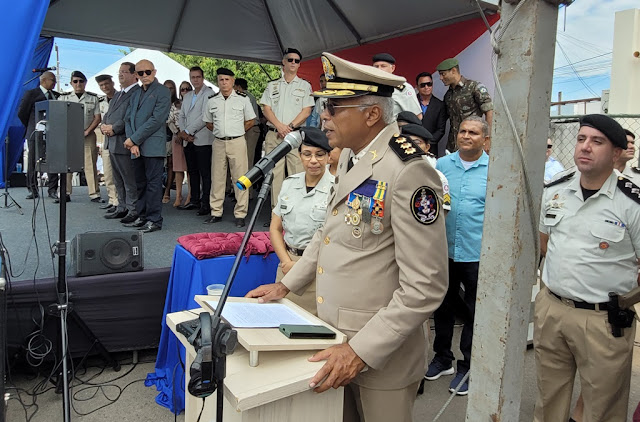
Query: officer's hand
x,y
283,130
286,266
128,143
269,292
86,133
182,134
135,150
343,364
190,138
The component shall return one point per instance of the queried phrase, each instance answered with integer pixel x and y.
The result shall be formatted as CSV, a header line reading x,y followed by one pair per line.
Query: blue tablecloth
x,y
190,277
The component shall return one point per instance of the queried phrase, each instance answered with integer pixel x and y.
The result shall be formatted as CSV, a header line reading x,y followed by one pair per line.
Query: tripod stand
x,y
8,199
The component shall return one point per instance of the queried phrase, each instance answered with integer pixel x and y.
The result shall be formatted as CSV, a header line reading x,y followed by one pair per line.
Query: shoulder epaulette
x,y
91,93
560,179
66,93
213,95
405,148
240,93
102,98
629,188
635,169
401,87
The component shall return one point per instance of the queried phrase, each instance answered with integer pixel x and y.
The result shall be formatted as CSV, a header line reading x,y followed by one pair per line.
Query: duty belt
x,y
294,251
582,305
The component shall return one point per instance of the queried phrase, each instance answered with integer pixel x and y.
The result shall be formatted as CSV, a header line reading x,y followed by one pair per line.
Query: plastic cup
x,y
215,289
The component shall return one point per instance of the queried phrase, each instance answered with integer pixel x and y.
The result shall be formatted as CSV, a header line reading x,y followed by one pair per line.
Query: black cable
x,y
201,410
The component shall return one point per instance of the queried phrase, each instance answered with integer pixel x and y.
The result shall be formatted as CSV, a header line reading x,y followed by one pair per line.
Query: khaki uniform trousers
x,y
235,151
90,169
307,300
565,339
363,404
294,165
252,136
107,170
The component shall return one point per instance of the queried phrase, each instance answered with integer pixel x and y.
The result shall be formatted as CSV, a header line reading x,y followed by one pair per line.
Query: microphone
x,y
43,69
290,142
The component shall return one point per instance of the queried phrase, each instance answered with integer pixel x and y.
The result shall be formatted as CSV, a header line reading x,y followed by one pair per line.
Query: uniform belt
x,y
228,138
582,305
294,251
272,129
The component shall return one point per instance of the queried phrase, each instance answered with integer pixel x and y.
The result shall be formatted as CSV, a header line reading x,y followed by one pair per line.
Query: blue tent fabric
x,y
18,44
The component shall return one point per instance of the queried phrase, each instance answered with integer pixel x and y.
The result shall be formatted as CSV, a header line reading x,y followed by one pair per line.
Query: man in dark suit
x,y
27,115
434,113
114,131
145,122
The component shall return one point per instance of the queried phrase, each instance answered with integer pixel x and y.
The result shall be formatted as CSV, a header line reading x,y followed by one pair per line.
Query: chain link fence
x,y
564,131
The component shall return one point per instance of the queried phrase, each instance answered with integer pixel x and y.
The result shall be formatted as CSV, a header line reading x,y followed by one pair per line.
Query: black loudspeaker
x,y
60,147
107,252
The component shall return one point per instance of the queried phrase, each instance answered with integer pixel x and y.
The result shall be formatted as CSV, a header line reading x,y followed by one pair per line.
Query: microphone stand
x,y
223,339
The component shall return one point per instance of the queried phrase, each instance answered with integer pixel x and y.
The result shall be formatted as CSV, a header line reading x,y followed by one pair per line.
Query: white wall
x,y
625,68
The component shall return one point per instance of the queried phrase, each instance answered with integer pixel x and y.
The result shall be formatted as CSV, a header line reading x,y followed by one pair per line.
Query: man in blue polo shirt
x,y
466,170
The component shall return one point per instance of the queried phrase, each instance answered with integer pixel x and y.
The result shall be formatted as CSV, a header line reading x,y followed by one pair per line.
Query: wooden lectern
x,y
277,390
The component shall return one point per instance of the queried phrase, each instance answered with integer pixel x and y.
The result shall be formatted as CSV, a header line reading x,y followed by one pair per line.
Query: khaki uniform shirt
x,y
90,101
406,100
379,289
593,244
468,98
287,99
302,213
103,104
228,116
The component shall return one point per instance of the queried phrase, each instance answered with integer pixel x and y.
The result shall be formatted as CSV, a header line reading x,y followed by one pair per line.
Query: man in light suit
x,y
372,282
197,142
121,163
145,127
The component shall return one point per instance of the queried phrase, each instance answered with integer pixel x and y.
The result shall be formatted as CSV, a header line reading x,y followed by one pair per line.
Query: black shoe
x,y
98,199
240,222
138,223
130,218
189,206
53,196
32,196
111,209
212,219
57,200
150,227
204,211
117,214
106,206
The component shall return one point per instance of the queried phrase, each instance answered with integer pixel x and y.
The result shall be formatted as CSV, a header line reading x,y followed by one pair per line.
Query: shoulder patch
x,y
629,188
425,206
213,95
405,148
560,180
242,94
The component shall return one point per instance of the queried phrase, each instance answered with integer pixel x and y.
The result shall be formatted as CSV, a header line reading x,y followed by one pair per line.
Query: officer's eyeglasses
x,y
331,107
77,81
143,72
292,60
307,155
423,84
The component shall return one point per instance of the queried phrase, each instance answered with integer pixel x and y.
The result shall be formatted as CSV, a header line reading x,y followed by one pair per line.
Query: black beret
x,y
78,74
224,71
292,51
609,127
629,133
417,130
102,78
315,137
383,57
408,117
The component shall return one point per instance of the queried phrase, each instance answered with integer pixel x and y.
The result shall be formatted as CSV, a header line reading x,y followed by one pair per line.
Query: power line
x,y
574,70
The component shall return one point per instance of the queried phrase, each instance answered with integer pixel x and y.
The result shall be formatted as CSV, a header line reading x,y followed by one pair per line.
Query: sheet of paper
x,y
258,315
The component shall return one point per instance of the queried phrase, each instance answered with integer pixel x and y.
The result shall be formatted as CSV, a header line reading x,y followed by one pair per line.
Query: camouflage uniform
x,y
466,99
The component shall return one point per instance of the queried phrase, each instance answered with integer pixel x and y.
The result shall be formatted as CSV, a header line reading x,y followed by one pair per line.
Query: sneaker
x,y
436,370
464,388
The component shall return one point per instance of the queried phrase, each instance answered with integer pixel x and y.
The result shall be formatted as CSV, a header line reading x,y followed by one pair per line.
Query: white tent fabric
x,y
166,67
254,30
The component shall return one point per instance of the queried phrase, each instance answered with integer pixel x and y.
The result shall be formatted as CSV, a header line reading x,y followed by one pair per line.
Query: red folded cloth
x,y
210,245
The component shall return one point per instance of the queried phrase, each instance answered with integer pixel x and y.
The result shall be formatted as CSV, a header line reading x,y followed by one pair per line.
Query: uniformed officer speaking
x,y
229,115
373,282
91,121
590,234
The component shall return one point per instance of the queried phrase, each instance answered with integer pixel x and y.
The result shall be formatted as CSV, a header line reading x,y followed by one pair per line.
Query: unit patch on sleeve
x,y
425,206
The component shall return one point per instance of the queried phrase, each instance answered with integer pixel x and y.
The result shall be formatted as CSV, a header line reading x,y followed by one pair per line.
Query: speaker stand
x,y
8,199
63,308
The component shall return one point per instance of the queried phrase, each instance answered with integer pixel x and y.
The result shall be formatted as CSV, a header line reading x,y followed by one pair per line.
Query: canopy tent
x,y
252,30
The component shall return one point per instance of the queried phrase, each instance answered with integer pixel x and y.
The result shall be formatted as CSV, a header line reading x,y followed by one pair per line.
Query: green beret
x,y
417,130
447,64
408,117
609,127
315,137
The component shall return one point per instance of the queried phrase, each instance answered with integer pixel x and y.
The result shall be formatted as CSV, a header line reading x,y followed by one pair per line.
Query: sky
x,y
582,61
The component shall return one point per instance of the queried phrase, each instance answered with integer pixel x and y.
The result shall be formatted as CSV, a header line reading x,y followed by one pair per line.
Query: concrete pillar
x,y
625,64
508,259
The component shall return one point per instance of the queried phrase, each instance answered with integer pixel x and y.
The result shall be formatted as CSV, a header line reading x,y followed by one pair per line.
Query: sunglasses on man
x,y
291,59
77,81
143,72
423,84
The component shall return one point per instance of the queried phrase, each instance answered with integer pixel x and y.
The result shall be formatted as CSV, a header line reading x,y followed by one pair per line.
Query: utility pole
x,y
58,68
508,259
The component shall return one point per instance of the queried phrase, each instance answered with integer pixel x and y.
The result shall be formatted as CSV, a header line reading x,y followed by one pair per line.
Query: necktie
x,y
49,95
